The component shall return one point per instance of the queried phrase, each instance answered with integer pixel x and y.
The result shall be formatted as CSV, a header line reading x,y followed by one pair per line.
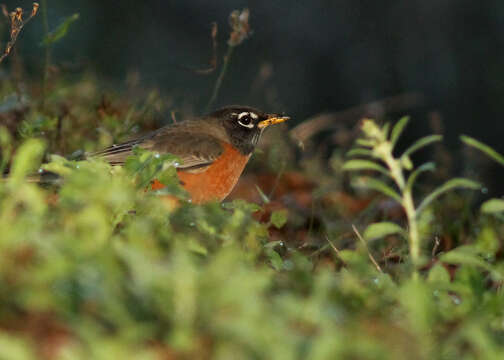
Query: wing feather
x,y
196,151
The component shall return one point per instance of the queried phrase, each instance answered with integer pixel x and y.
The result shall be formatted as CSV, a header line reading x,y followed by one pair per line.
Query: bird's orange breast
x,y
217,181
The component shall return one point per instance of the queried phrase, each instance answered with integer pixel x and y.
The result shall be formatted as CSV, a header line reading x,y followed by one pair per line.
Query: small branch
x,y
317,123
436,245
371,257
16,24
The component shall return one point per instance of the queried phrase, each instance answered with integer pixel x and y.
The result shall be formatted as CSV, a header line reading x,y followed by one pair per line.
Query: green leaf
x,y
488,241
492,206
359,152
60,32
430,166
385,129
275,259
415,299
457,183
37,125
465,255
359,164
273,244
380,186
147,166
365,142
59,165
381,229
15,347
353,258
398,129
420,143
239,204
438,275
27,159
278,218
406,163
197,248
483,148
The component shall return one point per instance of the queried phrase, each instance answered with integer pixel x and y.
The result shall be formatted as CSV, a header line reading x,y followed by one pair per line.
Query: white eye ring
x,y
250,124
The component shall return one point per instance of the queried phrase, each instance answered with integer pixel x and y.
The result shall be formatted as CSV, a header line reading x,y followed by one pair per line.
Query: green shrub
x,y
113,271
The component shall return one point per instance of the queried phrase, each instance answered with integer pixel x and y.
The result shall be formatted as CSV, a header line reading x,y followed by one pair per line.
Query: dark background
x,y
324,55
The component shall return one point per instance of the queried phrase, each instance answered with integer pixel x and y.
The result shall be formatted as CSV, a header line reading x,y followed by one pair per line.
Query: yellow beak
x,y
272,120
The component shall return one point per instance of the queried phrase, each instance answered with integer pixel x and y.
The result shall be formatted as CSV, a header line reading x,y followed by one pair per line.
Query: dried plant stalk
x,y
16,24
240,31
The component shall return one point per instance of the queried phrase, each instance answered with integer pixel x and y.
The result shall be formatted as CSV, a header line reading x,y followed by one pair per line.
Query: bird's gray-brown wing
x,y
196,151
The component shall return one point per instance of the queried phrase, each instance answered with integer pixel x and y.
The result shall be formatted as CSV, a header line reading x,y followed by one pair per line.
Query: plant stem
x,y
395,169
409,208
47,61
414,237
222,73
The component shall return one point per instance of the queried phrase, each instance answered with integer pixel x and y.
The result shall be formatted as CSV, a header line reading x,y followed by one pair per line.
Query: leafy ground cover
x,y
364,254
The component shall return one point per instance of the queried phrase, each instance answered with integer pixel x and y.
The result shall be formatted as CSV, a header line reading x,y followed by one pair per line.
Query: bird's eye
x,y
244,119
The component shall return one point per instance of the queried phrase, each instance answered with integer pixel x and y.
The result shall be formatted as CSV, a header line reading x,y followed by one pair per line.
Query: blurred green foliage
x,y
108,270
94,266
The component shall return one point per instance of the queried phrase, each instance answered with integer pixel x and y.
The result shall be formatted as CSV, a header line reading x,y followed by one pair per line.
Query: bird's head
x,y
244,125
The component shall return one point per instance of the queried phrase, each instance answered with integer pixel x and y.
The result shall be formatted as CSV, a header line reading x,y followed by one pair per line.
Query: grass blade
x,y
371,257
263,196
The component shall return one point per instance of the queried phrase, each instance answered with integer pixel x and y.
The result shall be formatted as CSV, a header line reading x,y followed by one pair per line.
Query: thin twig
x,y
277,179
222,73
320,122
371,257
436,245
335,250
47,59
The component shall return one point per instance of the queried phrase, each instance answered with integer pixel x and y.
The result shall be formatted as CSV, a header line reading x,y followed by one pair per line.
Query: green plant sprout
x,y
52,37
378,144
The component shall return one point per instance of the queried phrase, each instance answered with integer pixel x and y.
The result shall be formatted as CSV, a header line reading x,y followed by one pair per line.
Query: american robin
x,y
213,149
